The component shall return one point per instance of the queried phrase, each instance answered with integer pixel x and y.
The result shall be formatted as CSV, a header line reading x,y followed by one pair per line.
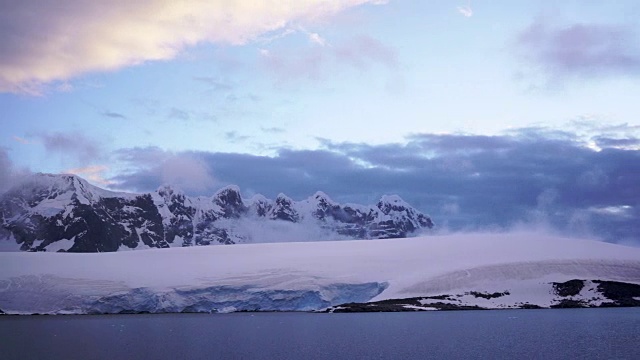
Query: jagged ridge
x,y
66,213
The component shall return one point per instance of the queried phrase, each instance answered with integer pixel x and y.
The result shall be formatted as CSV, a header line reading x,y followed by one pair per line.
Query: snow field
x,y
522,263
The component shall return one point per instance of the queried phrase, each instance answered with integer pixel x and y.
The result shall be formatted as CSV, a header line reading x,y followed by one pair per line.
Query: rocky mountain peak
x,y
260,205
322,199
389,203
283,209
49,190
168,191
230,201
171,195
323,206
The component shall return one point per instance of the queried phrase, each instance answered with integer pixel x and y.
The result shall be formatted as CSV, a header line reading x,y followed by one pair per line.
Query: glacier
x,y
454,270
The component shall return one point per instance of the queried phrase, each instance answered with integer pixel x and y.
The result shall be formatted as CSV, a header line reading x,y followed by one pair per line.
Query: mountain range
x,y
49,212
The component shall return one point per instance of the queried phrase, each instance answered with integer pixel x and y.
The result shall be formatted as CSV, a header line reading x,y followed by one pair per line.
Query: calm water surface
x,y
502,334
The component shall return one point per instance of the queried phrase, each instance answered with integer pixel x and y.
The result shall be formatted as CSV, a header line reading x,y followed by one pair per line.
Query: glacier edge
x,y
54,295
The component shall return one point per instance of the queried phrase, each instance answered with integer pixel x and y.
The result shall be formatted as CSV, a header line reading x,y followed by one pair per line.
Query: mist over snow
x,y
256,231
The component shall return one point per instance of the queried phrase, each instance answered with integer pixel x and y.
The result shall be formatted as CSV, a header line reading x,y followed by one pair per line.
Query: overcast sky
x,y
484,114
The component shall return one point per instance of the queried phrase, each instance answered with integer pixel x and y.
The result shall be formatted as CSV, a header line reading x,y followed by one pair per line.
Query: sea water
x,y
499,334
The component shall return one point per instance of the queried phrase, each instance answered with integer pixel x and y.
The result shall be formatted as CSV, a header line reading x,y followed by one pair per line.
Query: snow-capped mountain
x,y
66,213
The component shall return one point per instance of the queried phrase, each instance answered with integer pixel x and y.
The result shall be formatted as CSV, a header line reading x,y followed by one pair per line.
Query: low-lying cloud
x,y
10,175
156,167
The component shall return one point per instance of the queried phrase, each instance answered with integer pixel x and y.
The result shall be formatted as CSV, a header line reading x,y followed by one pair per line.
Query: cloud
x,y
600,136
54,41
317,39
64,87
625,143
10,175
215,83
186,172
21,140
447,143
299,65
467,182
155,167
272,130
113,115
624,128
465,10
178,114
264,52
6,168
360,52
93,173
234,137
71,144
580,50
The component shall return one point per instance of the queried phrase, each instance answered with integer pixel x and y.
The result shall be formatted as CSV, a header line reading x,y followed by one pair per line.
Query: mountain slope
x,y
66,213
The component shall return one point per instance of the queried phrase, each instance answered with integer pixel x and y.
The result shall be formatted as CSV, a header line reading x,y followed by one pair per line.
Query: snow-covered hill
x,y
66,213
489,271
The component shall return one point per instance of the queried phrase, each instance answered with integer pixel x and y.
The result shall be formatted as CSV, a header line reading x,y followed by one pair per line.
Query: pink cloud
x,y
93,173
51,42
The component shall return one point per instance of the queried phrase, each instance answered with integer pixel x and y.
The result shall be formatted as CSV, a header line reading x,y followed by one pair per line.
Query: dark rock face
x,y
96,224
260,206
178,223
283,210
488,296
621,294
614,293
402,305
230,201
50,208
568,288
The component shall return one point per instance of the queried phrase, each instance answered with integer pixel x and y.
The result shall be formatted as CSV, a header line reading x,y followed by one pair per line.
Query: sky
x,y
486,115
